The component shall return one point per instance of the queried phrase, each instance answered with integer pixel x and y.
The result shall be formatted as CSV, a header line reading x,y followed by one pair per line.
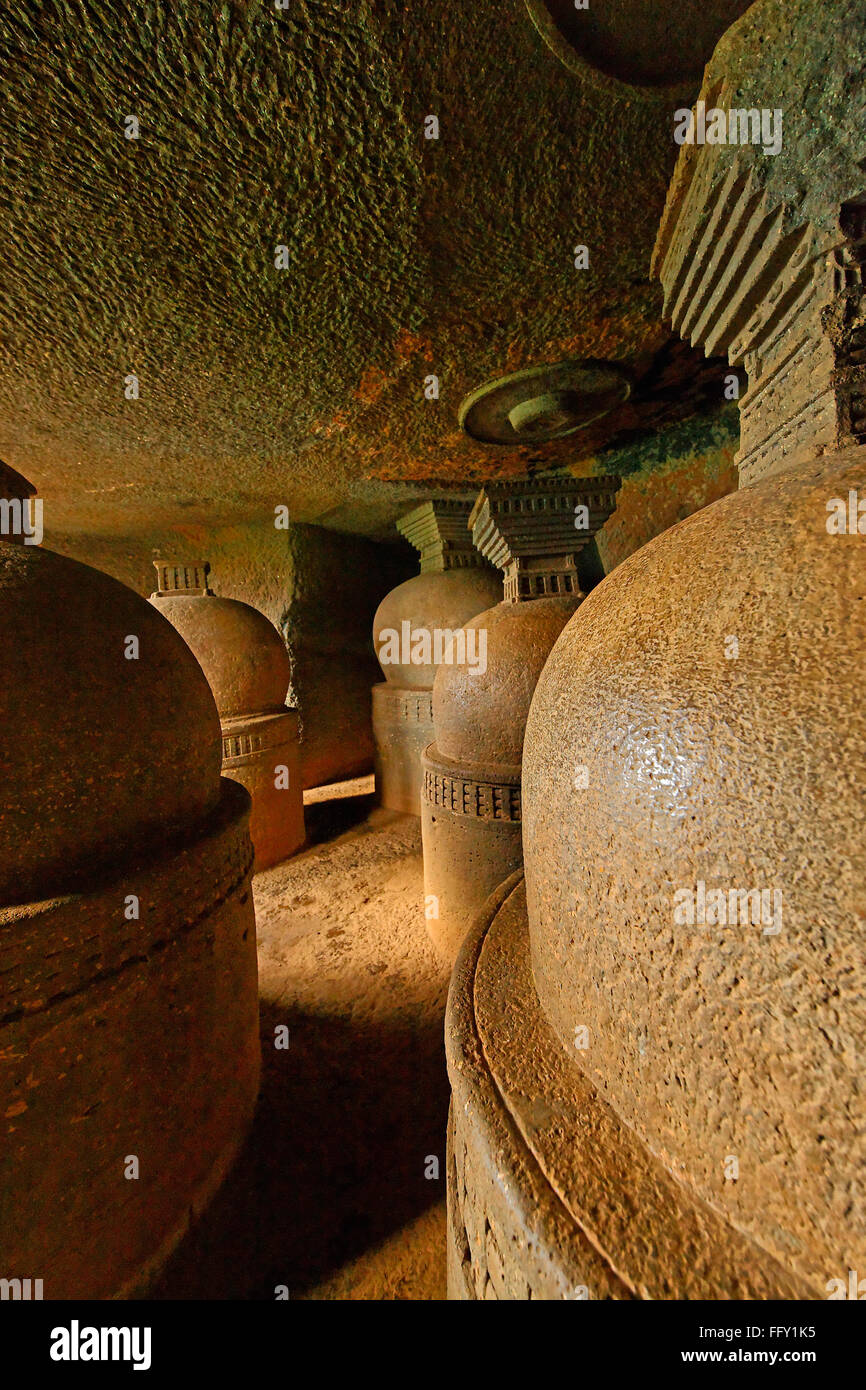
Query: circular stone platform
x,y
543,403
637,48
550,1196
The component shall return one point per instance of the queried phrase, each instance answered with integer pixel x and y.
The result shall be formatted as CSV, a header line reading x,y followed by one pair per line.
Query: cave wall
x,y
665,477
320,588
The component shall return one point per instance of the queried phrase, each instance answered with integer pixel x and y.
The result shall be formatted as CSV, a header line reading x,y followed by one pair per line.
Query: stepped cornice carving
x,y
768,269
534,531
438,531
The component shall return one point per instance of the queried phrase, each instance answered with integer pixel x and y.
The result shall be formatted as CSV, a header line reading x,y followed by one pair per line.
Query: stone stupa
x,y
249,671
471,805
656,1046
410,625
129,1044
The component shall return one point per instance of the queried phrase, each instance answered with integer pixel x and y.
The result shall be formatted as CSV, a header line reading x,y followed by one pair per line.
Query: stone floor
x,y
329,1196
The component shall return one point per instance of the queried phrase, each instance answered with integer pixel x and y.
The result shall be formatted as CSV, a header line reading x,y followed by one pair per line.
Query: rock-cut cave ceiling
x,y
406,257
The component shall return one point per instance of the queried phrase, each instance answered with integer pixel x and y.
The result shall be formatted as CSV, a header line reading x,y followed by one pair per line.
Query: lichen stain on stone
x,y
666,479
372,386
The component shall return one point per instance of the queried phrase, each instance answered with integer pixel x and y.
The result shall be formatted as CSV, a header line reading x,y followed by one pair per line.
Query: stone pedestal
x,y
471,832
550,1196
103,1062
409,631
255,751
248,669
470,809
403,727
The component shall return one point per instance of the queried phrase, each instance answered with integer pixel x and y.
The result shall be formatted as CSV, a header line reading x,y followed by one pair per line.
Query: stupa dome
x,y
104,758
434,600
671,771
470,811
240,651
479,716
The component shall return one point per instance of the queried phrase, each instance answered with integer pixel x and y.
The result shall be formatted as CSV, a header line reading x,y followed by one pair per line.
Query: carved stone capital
x,y
534,531
765,267
439,532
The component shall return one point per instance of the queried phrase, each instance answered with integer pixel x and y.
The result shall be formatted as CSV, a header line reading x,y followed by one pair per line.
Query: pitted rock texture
x,y
241,653
550,1196
764,265
103,758
807,60
700,721
406,256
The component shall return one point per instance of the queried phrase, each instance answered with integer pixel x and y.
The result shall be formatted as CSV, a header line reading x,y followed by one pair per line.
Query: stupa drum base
x,y
545,1185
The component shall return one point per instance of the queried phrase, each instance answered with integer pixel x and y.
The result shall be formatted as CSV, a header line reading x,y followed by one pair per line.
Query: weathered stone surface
x,y
471,831
665,477
431,601
471,796
703,724
480,716
659,757
547,402
455,583
765,265
807,58
403,727
305,386
470,804
696,738
319,589
126,1038
240,651
262,752
550,1195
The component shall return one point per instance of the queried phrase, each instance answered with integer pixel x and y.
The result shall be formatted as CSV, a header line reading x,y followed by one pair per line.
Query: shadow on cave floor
x,y
331,810
329,1196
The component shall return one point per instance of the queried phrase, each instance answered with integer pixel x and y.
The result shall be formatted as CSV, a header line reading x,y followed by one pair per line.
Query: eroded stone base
x,y
256,751
126,1039
549,1195
471,831
402,729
